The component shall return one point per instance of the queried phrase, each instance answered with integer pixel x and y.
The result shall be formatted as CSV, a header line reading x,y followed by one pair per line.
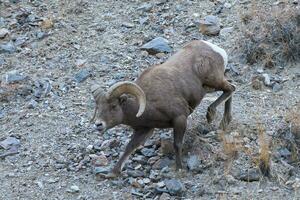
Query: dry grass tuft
x,y
270,35
293,118
264,152
232,144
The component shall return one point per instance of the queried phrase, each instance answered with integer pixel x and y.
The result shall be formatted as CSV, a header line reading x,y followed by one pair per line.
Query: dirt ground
x,y
49,108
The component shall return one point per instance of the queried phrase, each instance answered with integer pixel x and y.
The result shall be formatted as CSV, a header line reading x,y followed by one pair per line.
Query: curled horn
x,y
96,91
127,87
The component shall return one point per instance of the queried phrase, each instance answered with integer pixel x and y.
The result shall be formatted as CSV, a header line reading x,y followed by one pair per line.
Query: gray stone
x,y
175,187
3,32
210,25
284,152
21,40
157,45
249,175
40,35
101,170
267,80
73,189
14,77
82,75
162,163
32,104
10,142
128,24
194,163
148,152
277,87
2,114
7,48
225,32
164,196
144,20
146,7
135,173
140,159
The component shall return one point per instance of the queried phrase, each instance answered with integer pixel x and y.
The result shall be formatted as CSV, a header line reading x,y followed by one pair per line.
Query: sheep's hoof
x,y
225,122
210,115
109,175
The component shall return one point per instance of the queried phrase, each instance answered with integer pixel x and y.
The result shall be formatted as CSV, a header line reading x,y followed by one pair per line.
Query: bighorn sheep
x,y
163,96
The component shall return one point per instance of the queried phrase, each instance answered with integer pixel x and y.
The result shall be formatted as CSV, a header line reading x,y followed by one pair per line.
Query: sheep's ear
x,y
122,99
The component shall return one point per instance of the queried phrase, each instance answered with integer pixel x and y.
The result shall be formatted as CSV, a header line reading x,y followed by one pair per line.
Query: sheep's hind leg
x,y
227,89
227,110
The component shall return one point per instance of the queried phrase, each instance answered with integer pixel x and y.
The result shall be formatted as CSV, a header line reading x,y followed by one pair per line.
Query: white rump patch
x,y
220,51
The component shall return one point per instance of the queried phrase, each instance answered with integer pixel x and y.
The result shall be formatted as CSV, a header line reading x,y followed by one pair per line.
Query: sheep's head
x,y
108,112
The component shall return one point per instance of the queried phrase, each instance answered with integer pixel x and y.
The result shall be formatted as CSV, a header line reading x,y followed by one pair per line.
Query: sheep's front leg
x,y
179,127
138,138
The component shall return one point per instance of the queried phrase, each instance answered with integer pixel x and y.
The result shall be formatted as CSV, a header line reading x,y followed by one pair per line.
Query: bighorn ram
x,y
163,96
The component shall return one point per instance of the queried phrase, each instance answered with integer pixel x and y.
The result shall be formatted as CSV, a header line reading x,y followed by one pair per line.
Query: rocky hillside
x,y
51,52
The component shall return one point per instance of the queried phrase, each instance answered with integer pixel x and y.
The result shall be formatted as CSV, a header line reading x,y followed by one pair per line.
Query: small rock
x,y
89,148
13,77
40,184
160,55
40,35
101,170
128,25
146,180
260,70
134,182
52,180
284,152
73,189
146,7
249,175
82,75
162,163
136,193
80,62
267,80
7,48
210,25
194,163
157,45
32,104
21,40
100,160
225,32
10,142
227,5
3,32
160,184
135,173
148,152
277,87
164,196
140,159
230,179
175,187
2,114
144,20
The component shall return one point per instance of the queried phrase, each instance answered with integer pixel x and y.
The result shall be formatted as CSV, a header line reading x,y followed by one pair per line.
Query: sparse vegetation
x,y
270,36
264,152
